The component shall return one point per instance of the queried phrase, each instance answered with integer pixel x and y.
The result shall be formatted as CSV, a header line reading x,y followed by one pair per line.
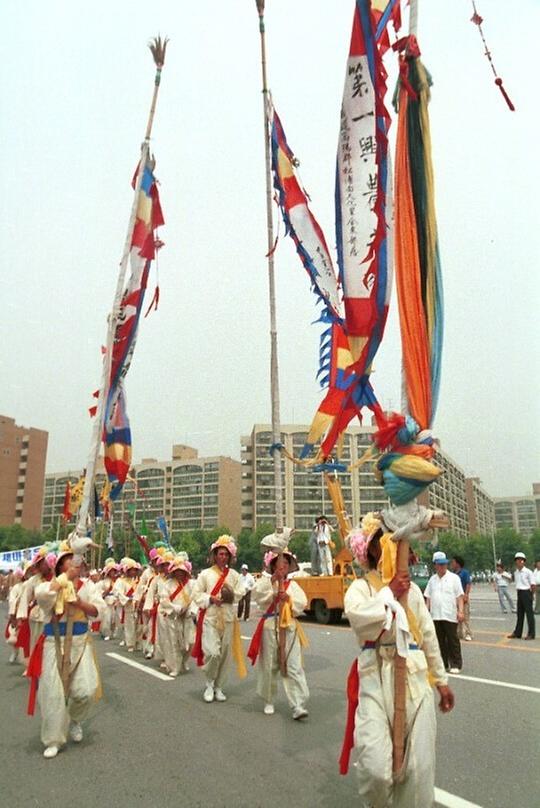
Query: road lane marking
x,y
451,801
151,671
496,682
495,619
503,645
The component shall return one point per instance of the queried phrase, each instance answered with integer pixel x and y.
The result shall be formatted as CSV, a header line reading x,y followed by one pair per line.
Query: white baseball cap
x,y
521,555
439,558
244,567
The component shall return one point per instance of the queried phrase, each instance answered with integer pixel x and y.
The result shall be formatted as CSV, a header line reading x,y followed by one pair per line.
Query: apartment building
x,y
23,454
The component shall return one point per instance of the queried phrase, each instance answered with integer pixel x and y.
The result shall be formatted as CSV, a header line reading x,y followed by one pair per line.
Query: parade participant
x,y
525,588
11,627
63,662
124,590
278,639
218,631
174,608
383,628
42,565
323,538
158,637
109,617
248,582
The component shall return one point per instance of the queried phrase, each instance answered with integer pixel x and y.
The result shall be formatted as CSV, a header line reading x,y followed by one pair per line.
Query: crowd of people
x,y
56,605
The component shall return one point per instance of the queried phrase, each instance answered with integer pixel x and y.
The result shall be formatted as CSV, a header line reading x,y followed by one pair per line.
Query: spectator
x,y
457,565
537,585
444,596
501,580
322,535
524,581
248,581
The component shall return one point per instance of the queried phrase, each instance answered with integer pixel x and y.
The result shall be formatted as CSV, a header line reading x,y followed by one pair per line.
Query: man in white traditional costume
x,y
27,609
161,558
322,537
63,662
14,595
278,639
174,607
124,589
383,628
215,592
109,617
149,617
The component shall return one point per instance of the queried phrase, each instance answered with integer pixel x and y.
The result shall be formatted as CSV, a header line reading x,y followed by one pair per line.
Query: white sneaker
x,y
173,675
208,694
148,655
50,752
468,638
106,639
130,650
220,695
121,643
12,658
299,713
269,709
75,732
455,670
163,666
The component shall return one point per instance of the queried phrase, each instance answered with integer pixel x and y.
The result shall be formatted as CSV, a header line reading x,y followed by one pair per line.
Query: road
x,y
154,742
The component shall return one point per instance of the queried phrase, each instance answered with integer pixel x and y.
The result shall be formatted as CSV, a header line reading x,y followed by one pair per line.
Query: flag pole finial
x,y
158,48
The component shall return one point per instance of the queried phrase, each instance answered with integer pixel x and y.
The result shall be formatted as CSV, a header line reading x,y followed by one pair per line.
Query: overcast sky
x,y
75,90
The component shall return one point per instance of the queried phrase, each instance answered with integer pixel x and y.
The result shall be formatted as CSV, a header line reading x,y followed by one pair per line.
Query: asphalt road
x,y
154,742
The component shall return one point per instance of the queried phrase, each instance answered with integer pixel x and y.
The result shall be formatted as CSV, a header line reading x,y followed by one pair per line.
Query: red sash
x,y
177,592
129,594
23,637
6,632
256,641
197,652
33,671
353,695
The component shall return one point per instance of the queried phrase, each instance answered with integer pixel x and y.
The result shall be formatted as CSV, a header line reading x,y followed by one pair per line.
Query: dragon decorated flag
x,y
116,432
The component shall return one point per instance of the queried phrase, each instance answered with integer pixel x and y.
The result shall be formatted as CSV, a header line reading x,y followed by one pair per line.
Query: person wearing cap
x,y
109,617
178,633
501,579
63,663
248,582
14,595
124,590
278,639
444,597
42,565
525,588
384,629
322,538
217,640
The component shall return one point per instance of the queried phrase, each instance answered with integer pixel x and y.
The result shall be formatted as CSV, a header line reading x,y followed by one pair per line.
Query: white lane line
x,y
495,682
451,801
244,638
495,619
157,674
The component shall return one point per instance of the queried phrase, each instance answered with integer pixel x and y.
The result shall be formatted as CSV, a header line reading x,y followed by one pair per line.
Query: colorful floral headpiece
x,y
359,538
225,541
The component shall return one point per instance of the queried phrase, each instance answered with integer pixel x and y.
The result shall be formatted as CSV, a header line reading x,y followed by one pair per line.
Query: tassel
x,y
154,302
353,685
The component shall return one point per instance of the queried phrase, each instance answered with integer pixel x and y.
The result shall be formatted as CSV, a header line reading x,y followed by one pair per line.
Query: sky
x,y
74,98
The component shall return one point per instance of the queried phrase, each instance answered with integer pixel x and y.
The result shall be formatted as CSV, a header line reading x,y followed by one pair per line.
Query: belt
x,y
373,644
78,628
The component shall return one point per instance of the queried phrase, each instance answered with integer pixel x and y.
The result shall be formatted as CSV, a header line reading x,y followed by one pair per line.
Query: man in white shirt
x,y
444,596
525,587
501,579
248,582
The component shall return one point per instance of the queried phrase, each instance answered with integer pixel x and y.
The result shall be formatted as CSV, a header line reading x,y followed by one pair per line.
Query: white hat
x,y
521,555
244,567
439,558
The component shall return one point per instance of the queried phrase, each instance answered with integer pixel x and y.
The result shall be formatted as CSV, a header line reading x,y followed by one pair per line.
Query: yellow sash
x,y
238,651
287,620
377,581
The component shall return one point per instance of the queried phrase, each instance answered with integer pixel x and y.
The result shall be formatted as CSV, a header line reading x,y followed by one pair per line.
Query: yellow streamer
x,y
238,651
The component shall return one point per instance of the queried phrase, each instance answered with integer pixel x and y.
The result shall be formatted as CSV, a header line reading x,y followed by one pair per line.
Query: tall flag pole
x,y
274,369
110,423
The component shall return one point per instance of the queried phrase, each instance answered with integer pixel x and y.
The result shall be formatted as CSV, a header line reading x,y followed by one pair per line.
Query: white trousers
x,y
294,683
180,637
325,555
55,712
132,627
216,646
109,621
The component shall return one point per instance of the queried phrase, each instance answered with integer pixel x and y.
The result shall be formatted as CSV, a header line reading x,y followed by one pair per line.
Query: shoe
x,y
121,643
75,732
528,637
269,709
299,713
173,675
220,695
148,655
106,639
208,694
12,659
455,670
185,668
130,650
163,666
468,638
50,752
512,637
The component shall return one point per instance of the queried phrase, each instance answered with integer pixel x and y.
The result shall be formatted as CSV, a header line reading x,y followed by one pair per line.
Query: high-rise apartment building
x,y
189,491
304,492
480,507
520,513
23,453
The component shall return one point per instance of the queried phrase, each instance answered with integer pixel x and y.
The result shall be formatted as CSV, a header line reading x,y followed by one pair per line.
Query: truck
x,y
326,593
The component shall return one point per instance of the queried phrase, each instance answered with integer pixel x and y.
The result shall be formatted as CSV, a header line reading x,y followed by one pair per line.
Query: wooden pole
x,y
274,369
158,48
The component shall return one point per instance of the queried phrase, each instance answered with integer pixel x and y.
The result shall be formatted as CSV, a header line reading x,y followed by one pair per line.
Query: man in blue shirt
x,y
457,565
